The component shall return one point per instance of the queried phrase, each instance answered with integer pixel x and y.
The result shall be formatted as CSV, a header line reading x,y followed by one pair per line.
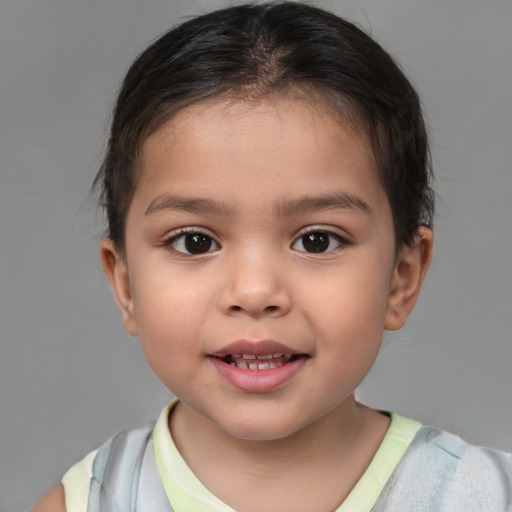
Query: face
x,y
260,268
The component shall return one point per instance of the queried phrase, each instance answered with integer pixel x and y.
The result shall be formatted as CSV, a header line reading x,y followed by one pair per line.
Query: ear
x,y
116,270
412,263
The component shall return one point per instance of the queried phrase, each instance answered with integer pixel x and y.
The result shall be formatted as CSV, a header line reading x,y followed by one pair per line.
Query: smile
x,y
258,366
259,373
258,362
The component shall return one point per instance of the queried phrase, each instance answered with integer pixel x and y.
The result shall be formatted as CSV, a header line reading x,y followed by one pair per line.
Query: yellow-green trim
x,y
365,494
183,489
77,482
186,493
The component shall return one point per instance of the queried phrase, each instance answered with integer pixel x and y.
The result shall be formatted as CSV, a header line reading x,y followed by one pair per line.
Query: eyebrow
x,y
309,204
197,205
283,207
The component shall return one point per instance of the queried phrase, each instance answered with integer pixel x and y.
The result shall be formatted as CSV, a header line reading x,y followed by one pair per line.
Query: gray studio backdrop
x,y
70,376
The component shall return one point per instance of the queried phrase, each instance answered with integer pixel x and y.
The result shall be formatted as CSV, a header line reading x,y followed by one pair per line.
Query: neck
x,y
342,442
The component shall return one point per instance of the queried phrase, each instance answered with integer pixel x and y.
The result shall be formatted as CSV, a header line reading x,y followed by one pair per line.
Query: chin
x,y
265,427
260,433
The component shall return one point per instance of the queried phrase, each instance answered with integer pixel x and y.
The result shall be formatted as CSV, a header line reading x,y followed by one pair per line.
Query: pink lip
x,y
258,348
257,381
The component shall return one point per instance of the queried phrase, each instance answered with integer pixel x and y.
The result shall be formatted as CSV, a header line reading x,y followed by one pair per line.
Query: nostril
x,y
267,309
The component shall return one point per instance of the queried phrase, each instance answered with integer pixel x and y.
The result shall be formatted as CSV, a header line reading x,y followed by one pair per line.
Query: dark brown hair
x,y
254,50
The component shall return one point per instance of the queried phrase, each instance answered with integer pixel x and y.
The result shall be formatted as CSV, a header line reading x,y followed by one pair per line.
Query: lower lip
x,y
258,381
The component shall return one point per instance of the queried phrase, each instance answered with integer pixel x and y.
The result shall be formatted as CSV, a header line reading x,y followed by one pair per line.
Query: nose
x,y
255,286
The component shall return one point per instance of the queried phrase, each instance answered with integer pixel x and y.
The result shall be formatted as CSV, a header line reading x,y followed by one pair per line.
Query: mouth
x,y
258,366
260,361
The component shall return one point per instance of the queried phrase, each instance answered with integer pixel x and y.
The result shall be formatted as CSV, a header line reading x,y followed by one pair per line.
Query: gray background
x,y
70,377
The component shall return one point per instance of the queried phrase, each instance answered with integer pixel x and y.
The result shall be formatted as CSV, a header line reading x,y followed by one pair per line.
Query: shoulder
x,y
121,453
53,501
464,473
467,457
106,472
118,460
440,471
488,475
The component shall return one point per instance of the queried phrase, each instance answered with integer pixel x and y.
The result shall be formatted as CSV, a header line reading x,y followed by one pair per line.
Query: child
x,y
267,188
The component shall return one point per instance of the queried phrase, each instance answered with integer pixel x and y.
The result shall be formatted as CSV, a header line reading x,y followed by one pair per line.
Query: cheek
x,y
170,319
357,303
167,299
349,318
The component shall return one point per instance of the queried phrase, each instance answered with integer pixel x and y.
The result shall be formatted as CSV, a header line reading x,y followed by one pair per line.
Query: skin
x,y
52,501
258,281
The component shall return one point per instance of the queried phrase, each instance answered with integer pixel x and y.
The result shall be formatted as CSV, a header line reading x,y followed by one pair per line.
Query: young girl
x,y
269,216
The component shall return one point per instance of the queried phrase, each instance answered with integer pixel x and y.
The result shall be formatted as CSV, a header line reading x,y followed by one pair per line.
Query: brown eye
x,y
198,244
195,243
318,242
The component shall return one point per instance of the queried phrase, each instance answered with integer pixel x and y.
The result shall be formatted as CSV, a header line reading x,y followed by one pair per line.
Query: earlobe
x,y
116,270
411,266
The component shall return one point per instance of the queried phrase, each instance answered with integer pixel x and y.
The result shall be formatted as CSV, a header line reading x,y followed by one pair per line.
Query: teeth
x,y
260,362
240,365
263,357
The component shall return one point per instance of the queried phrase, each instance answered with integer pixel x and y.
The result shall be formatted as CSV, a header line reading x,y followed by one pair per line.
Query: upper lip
x,y
257,348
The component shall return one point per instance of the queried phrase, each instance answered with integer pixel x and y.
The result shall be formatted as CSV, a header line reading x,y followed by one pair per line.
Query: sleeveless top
x,y
416,468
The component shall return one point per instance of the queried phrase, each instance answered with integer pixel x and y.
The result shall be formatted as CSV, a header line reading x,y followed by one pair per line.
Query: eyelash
x,y
206,242
181,235
324,233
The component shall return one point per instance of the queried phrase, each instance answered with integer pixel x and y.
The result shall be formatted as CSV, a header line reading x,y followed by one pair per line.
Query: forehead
x,y
307,110
271,148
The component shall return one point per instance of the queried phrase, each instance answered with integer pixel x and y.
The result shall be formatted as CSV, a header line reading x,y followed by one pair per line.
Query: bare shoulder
x,y
52,501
